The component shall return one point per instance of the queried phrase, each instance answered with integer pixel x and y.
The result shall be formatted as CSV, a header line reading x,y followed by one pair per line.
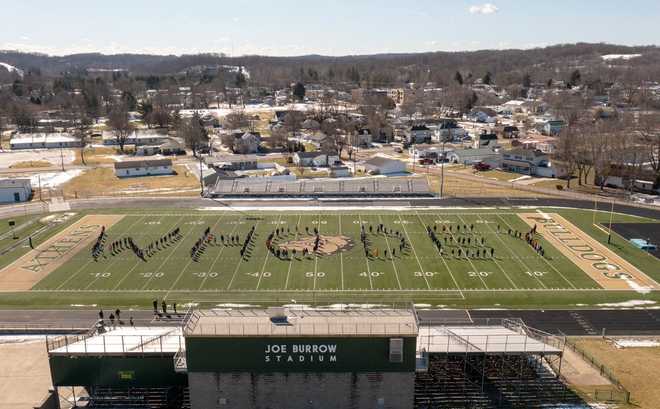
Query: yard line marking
x,y
389,249
217,257
419,263
159,267
474,268
89,261
184,269
366,258
543,258
458,287
341,258
494,259
267,254
286,282
316,256
241,260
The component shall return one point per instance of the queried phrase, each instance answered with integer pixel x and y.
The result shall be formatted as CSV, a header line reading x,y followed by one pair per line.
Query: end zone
x,y
607,268
26,271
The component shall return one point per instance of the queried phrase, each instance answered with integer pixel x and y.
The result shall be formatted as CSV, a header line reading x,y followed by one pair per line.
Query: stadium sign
x,y
299,353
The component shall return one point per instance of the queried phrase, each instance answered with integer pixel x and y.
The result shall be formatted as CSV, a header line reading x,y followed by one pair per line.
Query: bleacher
x,y
138,398
362,187
489,381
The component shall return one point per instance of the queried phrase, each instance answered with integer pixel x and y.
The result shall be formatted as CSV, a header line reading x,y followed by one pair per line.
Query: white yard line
x,y
316,257
389,249
341,258
412,247
159,267
366,258
458,287
474,268
90,261
240,261
495,259
184,269
217,257
263,267
288,273
543,258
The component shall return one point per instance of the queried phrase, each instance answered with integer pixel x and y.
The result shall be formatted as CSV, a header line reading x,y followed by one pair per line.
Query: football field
x,y
363,251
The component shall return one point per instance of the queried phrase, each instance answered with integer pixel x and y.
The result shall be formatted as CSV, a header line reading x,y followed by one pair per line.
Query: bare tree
x,y
278,137
237,120
193,133
119,121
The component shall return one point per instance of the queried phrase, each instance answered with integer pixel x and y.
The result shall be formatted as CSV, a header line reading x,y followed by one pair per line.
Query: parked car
x,y
480,167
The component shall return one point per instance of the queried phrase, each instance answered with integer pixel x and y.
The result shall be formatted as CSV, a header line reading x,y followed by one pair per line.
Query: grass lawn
x,y
636,369
102,181
31,164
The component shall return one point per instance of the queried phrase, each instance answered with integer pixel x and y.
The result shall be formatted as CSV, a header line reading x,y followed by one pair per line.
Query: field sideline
x,y
418,272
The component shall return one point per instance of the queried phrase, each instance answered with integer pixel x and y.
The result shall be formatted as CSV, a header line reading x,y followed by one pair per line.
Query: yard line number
x,y
479,273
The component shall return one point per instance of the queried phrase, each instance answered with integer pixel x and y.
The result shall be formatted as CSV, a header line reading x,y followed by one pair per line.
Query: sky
x,y
328,27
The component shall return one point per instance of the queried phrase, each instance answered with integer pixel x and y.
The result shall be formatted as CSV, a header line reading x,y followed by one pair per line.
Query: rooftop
x,y
145,163
120,340
314,323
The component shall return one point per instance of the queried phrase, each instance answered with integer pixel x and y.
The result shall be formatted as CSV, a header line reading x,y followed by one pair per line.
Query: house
x,y
553,127
383,166
432,152
419,134
340,171
472,156
362,138
246,142
315,159
510,132
15,190
485,139
448,131
531,162
137,137
233,162
145,167
311,125
483,115
43,141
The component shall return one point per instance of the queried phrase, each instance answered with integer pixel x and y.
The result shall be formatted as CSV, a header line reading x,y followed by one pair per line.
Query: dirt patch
x,y
607,268
25,375
24,273
31,164
328,245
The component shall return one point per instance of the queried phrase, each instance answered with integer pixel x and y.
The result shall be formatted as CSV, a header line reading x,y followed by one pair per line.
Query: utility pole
x,y
201,176
62,157
442,170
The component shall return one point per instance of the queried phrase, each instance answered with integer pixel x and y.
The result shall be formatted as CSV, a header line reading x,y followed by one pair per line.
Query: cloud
x,y
486,8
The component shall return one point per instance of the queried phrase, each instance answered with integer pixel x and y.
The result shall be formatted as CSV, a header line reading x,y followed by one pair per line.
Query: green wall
x,y
207,354
115,371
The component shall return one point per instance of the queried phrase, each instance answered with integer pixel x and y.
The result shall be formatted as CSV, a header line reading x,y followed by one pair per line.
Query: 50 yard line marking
x,y
445,262
263,267
387,241
288,273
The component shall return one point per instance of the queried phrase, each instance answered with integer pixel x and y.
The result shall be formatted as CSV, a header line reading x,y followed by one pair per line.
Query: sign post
x,y
12,223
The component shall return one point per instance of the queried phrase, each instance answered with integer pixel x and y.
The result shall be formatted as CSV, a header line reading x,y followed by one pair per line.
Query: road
x,y
569,322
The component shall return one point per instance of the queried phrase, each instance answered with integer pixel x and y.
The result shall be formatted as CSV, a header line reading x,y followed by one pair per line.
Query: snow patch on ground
x,y
635,286
21,339
423,306
54,179
83,305
631,303
609,57
636,343
235,305
11,68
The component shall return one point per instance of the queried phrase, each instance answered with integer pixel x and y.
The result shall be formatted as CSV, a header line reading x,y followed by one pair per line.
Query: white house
x,y
15,190
316,159
383,166
528,162
419,134
472,156
43,141
138,137
143,168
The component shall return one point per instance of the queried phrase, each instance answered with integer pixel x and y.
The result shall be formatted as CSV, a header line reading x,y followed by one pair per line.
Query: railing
x,y
180,362
604,370
129,344
302,329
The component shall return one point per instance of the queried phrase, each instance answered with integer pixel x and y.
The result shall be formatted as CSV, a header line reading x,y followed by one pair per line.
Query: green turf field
x,y
515,275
